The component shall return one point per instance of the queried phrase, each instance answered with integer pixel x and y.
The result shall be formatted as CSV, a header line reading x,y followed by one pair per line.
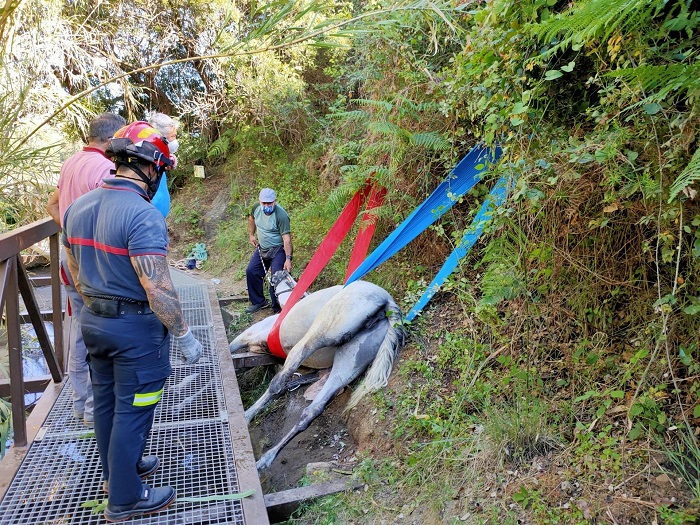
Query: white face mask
x,y
173,145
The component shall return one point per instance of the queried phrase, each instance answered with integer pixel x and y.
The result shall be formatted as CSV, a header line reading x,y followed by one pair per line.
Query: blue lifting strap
x,y
460,180
491,203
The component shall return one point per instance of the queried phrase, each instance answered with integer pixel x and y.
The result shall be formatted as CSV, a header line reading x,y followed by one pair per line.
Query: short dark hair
x,y
105,126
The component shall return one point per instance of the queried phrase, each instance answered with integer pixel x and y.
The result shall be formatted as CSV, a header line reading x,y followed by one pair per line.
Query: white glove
x,y
190,348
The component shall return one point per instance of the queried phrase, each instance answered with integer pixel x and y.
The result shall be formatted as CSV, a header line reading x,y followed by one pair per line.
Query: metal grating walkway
x,y
191,434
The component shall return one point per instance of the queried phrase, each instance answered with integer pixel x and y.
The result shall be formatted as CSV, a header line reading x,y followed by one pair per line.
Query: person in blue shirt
x,y
168,128
116,245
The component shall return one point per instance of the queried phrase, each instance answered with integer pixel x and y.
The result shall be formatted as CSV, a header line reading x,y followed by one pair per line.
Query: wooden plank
x,y
281,505
45,315
5,271
251,359
14,241
42,335
225,301
41,281
254,510
33,386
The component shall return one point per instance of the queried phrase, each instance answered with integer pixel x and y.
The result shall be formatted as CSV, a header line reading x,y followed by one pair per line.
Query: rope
x,y
199,252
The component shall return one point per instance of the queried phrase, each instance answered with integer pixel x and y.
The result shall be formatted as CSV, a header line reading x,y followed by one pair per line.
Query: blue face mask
x,y
267,210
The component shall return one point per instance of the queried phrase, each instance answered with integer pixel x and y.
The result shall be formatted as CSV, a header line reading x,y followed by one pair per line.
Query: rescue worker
x,y
273,248
116,244
81,173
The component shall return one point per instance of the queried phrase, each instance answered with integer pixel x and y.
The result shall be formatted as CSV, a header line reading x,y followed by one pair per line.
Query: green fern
x,y
592,19
361,173
379,104
377,149
660,81
503,278
357,114
431,140
690,174
387,128
221,146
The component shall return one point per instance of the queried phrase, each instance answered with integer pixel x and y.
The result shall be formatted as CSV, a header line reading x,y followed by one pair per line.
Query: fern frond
x,y
690,174
430,140
356,114
593,19
663,79
387,128
376,149
503,278
379,104
362,173
220,146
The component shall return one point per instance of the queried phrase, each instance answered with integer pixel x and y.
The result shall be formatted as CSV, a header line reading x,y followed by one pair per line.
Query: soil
x,y
325,441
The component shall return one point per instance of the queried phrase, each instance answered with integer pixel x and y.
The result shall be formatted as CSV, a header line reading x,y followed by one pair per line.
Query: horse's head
x,y
283,283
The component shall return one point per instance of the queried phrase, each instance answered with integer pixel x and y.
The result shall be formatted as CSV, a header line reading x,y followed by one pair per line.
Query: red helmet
x,y
140,140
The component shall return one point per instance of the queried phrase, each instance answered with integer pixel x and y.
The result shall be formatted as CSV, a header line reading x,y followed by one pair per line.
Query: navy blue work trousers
x,y
255,274
129,360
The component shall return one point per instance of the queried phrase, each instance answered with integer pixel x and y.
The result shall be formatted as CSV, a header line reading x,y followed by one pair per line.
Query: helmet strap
x,y
151,184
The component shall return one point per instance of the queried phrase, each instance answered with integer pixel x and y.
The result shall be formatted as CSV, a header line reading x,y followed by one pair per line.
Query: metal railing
x,y
14,280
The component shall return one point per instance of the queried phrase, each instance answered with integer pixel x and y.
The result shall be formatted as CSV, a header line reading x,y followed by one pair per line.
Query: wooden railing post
x,y
56,304
14,346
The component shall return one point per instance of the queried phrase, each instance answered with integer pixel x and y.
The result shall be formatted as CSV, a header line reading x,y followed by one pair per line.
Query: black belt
x,y
116,307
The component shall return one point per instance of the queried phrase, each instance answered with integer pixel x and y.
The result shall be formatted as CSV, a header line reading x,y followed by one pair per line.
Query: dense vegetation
x,y
570,332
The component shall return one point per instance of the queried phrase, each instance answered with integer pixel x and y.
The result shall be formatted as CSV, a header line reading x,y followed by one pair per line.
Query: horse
x,y
348,329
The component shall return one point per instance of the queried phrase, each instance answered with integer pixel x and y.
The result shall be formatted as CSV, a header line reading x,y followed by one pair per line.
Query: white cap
x,y
267,195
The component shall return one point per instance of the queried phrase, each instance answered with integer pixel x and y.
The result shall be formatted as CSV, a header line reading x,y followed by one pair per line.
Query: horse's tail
x,y
377,375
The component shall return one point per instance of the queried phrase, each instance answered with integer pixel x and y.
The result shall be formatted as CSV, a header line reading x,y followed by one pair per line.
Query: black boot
x,y
152,500
145,467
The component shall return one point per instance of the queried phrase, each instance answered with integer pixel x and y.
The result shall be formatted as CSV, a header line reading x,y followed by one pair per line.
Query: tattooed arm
x,y
154,275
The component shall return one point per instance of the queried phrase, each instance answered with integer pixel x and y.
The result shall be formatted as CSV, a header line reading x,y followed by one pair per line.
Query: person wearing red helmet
x,y
116,245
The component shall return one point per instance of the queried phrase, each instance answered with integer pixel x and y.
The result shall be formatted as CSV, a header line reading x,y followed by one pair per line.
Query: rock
x,y
320,468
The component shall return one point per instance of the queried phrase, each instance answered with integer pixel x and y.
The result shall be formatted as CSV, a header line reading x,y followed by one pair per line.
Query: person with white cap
x,y
168,127
270,233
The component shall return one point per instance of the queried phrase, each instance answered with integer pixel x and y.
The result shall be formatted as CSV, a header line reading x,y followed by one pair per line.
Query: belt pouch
x,y
104,308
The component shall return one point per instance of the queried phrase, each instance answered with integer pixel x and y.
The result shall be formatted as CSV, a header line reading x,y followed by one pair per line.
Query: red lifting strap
x,y
325,251
364,235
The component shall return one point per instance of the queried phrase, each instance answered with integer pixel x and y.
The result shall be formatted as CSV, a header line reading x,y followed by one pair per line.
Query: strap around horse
x,y
325,251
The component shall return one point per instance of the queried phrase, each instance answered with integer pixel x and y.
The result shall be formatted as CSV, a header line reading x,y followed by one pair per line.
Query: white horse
x,y
348,329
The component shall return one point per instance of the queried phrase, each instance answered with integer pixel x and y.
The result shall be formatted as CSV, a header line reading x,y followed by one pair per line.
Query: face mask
x,y
267,210
173,145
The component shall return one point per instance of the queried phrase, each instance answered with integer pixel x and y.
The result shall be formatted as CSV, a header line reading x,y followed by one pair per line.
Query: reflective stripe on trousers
x,y
129,362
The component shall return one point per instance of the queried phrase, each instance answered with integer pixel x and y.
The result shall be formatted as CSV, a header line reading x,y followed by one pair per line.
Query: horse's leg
x,y
278,384
274,389
350,361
